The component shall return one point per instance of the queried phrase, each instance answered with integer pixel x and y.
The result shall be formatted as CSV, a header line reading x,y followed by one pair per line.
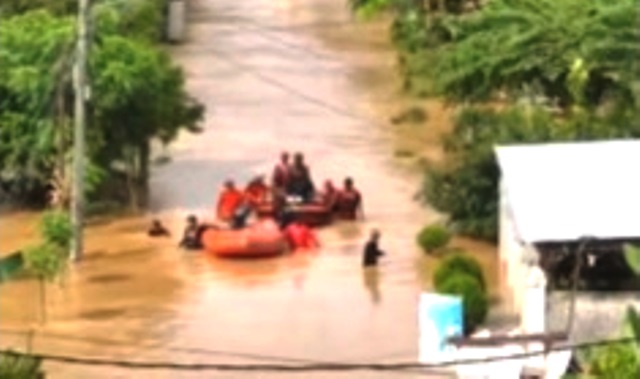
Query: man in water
x,y
329,196
157,229
229,201
280,207
192,233
349,202
300,183
281,172
371,250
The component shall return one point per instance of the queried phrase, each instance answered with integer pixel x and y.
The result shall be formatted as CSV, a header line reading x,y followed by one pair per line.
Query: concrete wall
x,y
511,252
598,314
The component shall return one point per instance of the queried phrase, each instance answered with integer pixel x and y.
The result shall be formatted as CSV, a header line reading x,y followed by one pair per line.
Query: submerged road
x,y
275,75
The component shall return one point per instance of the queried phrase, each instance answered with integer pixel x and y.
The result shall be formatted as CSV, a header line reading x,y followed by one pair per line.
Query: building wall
x,y
513,269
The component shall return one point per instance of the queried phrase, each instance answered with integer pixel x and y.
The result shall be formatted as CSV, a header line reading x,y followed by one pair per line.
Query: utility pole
x,y
81,92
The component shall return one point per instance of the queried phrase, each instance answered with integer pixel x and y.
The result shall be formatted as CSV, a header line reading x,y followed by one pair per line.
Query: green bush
x,y
18,366
45,260
617,361
56,228
458,263
433,237
474,298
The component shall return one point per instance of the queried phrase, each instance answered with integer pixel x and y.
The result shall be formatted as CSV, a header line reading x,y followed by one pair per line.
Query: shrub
x,y
617,361
18,366
433,237
474,298
56,229
458,263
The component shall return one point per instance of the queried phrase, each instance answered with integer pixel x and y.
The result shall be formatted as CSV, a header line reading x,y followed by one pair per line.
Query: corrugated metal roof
x,y
564,191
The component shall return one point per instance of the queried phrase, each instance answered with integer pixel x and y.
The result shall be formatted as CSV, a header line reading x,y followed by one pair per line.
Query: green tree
x,y
465,187
48,259
511,44
35,51
138,95
59,7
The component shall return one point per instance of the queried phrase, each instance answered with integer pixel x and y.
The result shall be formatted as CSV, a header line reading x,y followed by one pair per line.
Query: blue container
x,y
439,318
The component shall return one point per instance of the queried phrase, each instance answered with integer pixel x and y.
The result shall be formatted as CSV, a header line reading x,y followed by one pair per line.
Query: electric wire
x,y
401,366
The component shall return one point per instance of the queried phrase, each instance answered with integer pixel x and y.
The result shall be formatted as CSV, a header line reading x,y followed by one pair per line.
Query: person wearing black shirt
x,y
371,250
191,239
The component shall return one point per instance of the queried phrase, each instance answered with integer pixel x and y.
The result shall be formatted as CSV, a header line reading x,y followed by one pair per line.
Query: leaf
x,y
632,257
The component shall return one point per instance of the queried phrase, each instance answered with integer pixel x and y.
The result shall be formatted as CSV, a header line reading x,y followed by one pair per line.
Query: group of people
x,y
293,180
290,182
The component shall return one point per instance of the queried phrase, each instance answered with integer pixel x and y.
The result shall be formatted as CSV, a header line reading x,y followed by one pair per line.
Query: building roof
x,y
565,191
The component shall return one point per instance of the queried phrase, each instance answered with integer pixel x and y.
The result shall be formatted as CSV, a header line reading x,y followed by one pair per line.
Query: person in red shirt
x,y
281,172
300,236
349,202
230,200
256,192
329,195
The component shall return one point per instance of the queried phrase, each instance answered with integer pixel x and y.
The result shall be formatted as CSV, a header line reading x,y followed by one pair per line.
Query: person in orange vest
x,y
281,172
256,191
301,236
229,201
349,202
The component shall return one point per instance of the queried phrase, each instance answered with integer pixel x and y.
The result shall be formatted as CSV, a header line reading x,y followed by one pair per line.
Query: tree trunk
x,y
132,187
61,193
143,179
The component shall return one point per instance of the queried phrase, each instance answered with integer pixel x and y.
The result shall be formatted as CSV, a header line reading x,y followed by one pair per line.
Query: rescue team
x,y
291,185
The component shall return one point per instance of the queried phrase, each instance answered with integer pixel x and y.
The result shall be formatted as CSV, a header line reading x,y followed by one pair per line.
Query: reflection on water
x,y
302,306
371,276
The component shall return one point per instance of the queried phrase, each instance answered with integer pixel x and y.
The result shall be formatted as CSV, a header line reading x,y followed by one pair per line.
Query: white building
x,y
562,192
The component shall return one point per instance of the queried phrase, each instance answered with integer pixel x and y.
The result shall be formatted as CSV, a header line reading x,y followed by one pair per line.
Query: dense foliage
x,y
458,263
620,360
19,366
474,298
433,237
513,44
574,63
137,95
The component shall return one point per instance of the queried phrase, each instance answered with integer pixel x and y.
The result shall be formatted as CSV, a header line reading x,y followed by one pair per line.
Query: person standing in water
x,y
191,237
157,229
349,202
371,250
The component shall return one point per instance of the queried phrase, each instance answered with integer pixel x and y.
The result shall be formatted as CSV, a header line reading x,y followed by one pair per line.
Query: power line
x,y
188,350
402,366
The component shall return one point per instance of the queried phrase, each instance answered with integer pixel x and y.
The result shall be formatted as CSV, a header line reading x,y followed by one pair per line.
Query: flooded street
x,y
275,75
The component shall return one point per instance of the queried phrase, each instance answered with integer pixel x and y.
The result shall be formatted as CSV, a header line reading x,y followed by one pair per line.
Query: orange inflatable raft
x,y
262,239
313,214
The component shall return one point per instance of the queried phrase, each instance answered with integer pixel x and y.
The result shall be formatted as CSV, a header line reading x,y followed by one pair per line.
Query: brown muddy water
x,y
275,75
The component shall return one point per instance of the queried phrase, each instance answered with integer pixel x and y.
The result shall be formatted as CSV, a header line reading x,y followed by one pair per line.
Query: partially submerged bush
x,y
18,366
46,260
474,298
433,237
56,228
458,263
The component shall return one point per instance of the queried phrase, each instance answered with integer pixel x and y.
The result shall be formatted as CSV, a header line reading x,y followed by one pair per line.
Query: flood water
x,y
275,75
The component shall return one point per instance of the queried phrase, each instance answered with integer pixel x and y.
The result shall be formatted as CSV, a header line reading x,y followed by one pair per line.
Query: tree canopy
x,y
561,70
137,94
511,44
